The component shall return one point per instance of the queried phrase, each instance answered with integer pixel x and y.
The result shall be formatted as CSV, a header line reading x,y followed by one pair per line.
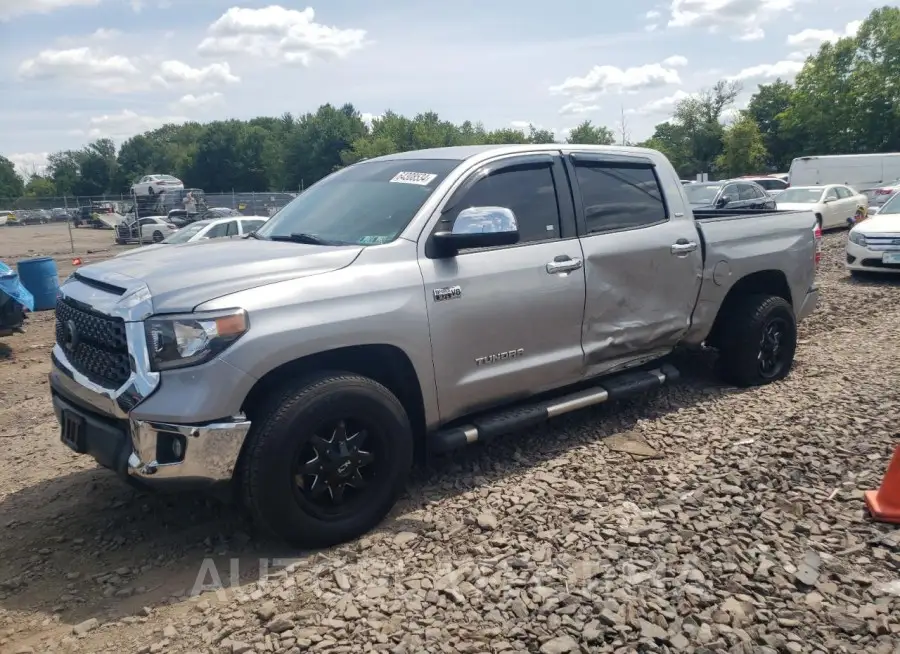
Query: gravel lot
x,y
742,531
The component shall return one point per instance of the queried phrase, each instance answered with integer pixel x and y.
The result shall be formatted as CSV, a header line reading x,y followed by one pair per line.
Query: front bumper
x,y
864,259
153,452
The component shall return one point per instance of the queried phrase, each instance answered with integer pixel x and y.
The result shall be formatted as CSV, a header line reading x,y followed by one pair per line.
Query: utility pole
x,y
623,126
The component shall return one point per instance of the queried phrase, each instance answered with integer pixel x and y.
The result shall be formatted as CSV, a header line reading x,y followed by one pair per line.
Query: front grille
x,y
99,347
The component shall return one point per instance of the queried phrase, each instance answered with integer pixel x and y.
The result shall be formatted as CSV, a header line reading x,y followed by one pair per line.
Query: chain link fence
x,y
28,210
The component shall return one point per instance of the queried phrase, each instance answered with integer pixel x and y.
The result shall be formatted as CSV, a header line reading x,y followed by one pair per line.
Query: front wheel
x,y
327,459
759,339
157,236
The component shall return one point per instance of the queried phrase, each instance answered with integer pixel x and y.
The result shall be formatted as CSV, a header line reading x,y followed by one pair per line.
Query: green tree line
x,y
845,100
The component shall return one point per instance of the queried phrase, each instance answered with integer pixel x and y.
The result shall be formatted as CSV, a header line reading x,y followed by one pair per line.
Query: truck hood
x,y
880,223
179,277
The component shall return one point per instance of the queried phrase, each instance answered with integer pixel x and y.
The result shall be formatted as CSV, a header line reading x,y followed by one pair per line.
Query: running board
x,y
484,428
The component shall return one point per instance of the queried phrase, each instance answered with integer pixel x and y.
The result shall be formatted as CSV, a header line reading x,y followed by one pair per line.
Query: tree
x,y
699,118
11,183
39,186
766,108
589,134
744,151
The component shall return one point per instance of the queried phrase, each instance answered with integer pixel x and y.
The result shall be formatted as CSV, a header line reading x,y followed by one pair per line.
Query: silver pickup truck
x,y
415,303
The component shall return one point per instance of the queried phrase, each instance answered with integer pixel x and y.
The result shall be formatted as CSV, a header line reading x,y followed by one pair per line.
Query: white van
x,y
860,171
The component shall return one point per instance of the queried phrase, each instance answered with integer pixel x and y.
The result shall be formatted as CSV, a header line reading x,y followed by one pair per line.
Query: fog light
x,y
170,447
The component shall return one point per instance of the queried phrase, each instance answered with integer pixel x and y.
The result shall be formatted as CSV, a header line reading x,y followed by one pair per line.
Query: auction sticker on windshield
x,y
421,179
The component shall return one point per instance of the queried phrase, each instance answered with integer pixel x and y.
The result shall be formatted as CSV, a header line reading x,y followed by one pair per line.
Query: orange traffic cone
x,y
884,504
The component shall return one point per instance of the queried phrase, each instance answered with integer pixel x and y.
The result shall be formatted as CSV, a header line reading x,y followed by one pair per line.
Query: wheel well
x,y
764,282
386,364
819,219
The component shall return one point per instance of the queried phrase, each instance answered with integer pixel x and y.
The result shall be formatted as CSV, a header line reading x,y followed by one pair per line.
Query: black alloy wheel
x,y
773,356
335,467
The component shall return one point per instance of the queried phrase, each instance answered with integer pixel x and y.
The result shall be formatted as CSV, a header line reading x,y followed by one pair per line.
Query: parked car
x,y
180,217
419,300
834,205
204,230
153,229
771,184
874,209
879,195
5,216
728,194
874,244
155,184
859,171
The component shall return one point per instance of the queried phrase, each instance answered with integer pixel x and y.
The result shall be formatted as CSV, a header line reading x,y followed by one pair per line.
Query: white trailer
x,y
860,171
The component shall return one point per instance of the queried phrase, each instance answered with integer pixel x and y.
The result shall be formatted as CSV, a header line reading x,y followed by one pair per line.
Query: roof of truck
x,y
463,152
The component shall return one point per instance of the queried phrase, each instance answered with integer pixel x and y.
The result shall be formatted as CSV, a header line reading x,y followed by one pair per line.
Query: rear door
x,y
832,208
643,263
506,322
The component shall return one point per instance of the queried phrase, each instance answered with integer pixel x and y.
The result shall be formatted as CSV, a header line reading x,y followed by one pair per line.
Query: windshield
x,y
365,204
770,183
184,234
801,195
891,206
702,193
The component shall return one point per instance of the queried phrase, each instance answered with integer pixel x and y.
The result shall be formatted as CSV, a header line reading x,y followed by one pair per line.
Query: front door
x,y
506,322
643,262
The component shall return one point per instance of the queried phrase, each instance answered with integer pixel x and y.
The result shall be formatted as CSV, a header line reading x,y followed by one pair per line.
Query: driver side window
x,y
528,192
217,231
730,192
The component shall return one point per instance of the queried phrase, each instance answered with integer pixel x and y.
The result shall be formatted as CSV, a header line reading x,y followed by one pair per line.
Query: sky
x,y
76,70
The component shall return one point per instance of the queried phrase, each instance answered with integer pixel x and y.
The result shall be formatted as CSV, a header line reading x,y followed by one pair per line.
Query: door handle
x,y
563,266
683,248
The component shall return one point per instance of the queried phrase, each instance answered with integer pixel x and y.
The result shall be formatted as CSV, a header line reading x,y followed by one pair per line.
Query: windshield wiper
x,y
307,239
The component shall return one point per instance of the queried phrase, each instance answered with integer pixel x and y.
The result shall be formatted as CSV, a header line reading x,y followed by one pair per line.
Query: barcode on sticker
x,y
422,179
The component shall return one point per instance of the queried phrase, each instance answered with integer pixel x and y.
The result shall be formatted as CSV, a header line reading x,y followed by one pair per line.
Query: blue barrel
x,y
41,278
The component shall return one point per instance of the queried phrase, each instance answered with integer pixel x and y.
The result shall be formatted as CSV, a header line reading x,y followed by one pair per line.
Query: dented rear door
x,y
643,258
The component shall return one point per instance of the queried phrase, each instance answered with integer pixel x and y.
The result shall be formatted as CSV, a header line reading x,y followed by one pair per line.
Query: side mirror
x,y
478,227
723,202
828,200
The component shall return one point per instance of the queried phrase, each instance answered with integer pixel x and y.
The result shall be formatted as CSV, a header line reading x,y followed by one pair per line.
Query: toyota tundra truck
x,y
415,303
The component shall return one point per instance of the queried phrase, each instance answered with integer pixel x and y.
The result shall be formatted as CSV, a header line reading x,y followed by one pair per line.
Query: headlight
x,y
858,238
184,340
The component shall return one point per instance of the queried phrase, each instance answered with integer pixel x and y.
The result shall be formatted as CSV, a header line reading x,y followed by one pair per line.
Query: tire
x,y
819,221
121,241
748,321
150,191
283,443
157,236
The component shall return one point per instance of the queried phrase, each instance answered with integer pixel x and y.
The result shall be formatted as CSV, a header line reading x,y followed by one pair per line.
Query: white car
x,y
204,230
771,184
874,244
835,205
154,184
154,229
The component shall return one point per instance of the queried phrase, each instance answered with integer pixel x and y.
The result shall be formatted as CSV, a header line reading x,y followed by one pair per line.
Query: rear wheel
x,y
157,236
759,339
327,459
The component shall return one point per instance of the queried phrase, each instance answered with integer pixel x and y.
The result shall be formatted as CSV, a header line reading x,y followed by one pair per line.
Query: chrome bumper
x,y
205,454
809,303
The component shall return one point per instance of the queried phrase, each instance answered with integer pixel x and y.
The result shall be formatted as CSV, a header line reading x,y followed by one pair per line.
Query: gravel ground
x,y
740,527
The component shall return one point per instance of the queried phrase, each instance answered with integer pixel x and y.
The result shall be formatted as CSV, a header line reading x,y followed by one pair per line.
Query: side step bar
x,y
484,428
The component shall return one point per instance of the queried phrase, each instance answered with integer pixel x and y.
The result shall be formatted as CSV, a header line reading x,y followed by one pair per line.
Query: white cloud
x,y
653,14
178,72
12,8
367,118
574,108
191,101
610,79
675,61
812,38
105,34
109,72
652,27
742,18
27,163
661,106
785,69
282,34
124,124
